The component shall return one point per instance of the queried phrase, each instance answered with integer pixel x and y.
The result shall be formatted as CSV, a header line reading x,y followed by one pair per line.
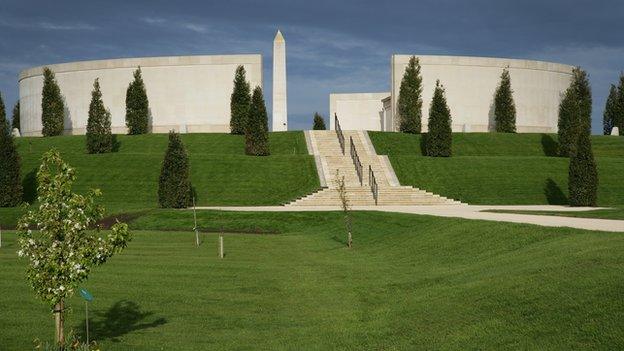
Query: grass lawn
x,y
220,172
411,282
611,213
505,169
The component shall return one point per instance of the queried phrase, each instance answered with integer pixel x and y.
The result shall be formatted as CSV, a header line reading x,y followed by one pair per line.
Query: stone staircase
x,y
324,145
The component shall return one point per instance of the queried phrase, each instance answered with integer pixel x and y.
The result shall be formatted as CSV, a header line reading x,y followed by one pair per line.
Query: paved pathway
x,y
469,212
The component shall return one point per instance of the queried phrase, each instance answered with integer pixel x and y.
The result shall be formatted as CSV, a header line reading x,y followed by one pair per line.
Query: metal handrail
x,y
356,161
372,181
341,138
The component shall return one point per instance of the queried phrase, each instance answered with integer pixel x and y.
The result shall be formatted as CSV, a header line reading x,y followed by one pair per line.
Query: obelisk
x,y
280,112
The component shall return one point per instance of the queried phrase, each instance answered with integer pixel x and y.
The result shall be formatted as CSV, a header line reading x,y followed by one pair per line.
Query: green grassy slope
x,y
506,169
406,285
220,172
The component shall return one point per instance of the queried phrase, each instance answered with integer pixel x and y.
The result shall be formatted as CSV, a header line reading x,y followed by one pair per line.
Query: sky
x,y
332,46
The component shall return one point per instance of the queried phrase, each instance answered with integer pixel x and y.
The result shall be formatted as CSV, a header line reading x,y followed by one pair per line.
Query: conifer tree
x,y
174,187
439,139
619,111
99,136
609,116
52,106
239,102
574,112
15,122
319,122
137,106
10,185
257,130
410,101
504,106
582,174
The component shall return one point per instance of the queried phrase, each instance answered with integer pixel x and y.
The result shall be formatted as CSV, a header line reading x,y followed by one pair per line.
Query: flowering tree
x,y
57,240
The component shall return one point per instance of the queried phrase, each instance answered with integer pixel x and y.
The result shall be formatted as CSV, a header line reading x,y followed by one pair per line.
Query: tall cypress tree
x,y
439,139
15,122
609,117
504,106
174,186
239,102
574,112
137,106
410,101
257,129
99,136
52,106
582,174
10,185
319,122
619,112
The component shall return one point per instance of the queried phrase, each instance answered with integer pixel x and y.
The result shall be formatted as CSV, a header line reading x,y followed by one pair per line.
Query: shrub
x,y
99,137
574,112
137,106
15,122
239,102
257,129
582,174
504,106
439,139
52,106
10,185
174,187
319,122
410,101
609,117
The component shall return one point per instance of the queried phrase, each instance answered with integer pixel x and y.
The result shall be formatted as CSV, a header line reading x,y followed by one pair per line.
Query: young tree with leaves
x,y
574,112
319,122
10,183
439,139
239,102
99,136
257,129
410,101
582,174
609,116
345,205
52,106
15,122
58,240
504,106
137,106
174,186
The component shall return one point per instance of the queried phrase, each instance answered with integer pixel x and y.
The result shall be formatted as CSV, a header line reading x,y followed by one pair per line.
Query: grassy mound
x,y
220,171
405,285
506,169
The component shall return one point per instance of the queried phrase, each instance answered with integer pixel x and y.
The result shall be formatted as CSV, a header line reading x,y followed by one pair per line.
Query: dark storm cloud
x,y
333,46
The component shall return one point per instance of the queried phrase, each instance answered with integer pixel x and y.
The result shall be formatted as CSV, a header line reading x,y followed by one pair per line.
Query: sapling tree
x,y
319,122
257,127
15,122
60,238
439,139
99,137
609,117
346,207
137,105
174,185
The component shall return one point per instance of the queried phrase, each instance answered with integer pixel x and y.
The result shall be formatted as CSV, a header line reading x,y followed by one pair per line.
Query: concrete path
x,y
469,212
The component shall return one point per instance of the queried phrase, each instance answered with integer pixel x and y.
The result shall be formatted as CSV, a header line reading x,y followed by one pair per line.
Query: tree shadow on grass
x,y
29,185
554,194
549,145
122,318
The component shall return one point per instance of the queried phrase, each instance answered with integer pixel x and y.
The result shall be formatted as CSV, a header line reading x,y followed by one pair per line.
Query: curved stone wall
x,y
471,82
186,93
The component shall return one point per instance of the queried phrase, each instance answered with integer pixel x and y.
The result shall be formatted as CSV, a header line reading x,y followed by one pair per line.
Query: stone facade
x,y
186,93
